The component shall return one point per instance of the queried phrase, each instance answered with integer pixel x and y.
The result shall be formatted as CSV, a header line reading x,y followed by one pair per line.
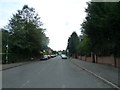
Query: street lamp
x,y
6,53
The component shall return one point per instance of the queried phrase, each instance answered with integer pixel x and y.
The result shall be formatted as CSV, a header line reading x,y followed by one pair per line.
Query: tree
x,y
102,28
64,52
93,26
113,26
26,35
73,41
84,47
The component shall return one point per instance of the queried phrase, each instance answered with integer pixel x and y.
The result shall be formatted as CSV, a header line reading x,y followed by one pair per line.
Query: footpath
x,y
12,65
107,73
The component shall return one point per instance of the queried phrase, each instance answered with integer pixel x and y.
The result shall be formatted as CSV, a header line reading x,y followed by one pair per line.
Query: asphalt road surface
x,y
52,73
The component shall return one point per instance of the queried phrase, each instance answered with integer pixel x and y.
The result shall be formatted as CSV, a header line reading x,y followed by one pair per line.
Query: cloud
x,y
60,17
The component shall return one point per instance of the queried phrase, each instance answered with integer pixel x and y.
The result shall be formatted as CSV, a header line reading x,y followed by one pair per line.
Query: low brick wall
x,y
89,59
118,62
85,58
105,60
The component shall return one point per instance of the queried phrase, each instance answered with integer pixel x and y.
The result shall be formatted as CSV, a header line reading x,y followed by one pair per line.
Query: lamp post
x,y
6,53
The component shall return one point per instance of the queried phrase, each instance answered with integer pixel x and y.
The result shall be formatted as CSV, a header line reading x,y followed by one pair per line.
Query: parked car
x,y
63,56
52,56
44,57
49,56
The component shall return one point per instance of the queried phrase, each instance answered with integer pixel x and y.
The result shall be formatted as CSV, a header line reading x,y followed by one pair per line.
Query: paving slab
x,y
108,72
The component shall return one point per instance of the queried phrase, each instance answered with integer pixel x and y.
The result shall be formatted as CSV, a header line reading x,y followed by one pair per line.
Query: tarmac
x,y
107,73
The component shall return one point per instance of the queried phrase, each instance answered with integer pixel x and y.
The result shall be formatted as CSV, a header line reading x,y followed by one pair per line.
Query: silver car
x,y
44,57
63,56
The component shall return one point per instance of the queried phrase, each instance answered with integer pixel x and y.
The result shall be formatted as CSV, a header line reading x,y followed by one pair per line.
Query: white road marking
x,y
25,84
63,86
43,69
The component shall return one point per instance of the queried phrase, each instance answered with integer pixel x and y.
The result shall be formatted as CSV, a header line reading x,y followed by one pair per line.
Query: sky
x,y
59,17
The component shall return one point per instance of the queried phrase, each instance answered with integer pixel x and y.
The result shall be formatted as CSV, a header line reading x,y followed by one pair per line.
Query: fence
x,y
104,60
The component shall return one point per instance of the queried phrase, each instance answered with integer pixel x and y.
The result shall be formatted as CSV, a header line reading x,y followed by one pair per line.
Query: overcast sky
x,y
60,17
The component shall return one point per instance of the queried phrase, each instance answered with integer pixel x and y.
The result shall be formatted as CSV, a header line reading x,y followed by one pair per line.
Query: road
x,y
52,73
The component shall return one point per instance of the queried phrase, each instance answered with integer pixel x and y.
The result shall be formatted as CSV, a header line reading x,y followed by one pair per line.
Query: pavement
x,y
58,73
12,65
106,72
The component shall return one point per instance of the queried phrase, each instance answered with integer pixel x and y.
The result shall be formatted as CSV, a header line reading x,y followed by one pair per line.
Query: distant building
x,y
49,50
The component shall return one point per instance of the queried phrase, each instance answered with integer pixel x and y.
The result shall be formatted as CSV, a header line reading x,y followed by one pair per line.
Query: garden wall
x,y
104,60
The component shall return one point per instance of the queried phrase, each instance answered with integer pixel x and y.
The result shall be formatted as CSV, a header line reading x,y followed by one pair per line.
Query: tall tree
x,y
73,41
26,35
84,47
102,27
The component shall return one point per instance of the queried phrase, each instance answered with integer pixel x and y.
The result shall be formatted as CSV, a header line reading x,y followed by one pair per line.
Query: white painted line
x,y
63,86
110,83
25,84
43,69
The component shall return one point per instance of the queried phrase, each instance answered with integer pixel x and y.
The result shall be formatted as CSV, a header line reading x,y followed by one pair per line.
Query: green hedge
x,y
12,58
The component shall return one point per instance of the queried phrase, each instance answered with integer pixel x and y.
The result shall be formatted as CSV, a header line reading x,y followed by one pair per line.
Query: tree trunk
x,y
93,57
96,58
115,62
